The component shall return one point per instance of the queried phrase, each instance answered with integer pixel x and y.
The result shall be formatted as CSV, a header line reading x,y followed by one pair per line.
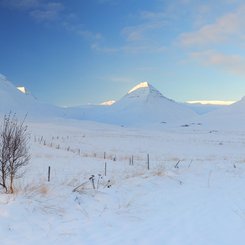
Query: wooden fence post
x,y
105,168
49,170
148,161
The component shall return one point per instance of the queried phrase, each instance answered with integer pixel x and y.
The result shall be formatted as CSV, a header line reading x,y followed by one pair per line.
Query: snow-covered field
x,y
199,201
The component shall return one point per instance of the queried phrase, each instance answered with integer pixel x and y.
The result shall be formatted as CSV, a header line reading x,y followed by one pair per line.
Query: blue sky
x,y
77,52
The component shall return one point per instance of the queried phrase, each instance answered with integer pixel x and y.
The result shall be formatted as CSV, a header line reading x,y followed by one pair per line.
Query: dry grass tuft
x,y
34,189
159,171
43,189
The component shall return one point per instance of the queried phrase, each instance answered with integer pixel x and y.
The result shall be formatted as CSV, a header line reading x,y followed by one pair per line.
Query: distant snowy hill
x,y
229,117
203,108
109,102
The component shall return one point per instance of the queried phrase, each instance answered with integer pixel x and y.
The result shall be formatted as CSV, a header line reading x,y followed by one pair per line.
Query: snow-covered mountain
x,y
145,104
142,105
12,99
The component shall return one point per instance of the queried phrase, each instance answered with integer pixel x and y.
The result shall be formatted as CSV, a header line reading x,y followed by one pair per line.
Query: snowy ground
x,y
201,201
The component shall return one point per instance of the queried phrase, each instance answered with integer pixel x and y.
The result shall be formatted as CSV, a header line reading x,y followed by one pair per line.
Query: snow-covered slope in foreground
x,y
11,99
200,202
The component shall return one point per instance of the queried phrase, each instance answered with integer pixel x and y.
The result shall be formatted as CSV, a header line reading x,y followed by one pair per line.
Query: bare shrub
x,y
14,151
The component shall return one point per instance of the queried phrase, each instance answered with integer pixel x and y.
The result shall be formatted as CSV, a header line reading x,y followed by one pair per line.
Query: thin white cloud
x,y
98,48
152,26
150,22
230,27
231,63
89,35
148,48
52,11
37,9
140,32
118,79
219,44
129,48
48,12
112,2
20,4
138,38
80,30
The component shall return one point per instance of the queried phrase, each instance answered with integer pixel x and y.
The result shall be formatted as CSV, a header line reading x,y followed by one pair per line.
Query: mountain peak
x,y
108,102
139,86
23,90
143,91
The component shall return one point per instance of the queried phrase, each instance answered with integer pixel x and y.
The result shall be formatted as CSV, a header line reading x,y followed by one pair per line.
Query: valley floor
x,y
193,192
